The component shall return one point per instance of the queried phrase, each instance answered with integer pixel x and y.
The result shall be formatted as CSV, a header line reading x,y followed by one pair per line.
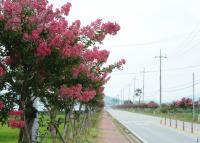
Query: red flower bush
x,y
15,121
16,113
1,105
184,103
2,71
16,124
152,104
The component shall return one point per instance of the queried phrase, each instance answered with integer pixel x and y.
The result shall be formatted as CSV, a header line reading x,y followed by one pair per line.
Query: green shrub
x,y
164,108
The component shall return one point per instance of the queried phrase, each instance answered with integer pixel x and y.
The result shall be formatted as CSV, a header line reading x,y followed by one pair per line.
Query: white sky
x,y
146,27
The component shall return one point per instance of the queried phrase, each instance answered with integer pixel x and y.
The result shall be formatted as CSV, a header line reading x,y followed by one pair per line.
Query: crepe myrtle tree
x,y
43,56
89,90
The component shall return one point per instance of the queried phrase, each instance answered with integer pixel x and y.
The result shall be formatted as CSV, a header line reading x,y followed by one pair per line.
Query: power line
x,y
188,40
190,48
164,40
182,88
182,68
154,71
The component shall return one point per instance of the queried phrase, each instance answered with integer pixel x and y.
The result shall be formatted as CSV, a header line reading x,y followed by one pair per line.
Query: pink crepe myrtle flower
x,y
7,60
87,96
111,28
2,71
71,92
43,50
1,105
16,124
66,8
15,112
122,62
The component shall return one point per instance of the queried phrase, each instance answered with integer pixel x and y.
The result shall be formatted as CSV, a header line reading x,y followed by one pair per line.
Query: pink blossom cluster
x,y
152,104
1,105
101,89
7,60
184,103
50,29
41,18
111,28
16,124
75,51
87,96
98,30
66,8
15,112
71,92
82,68
99,55
117,65
43,50
122,62
2,71
75,92
13,11
93,75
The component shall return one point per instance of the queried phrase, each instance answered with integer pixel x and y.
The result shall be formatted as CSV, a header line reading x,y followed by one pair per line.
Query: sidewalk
x,y
109,133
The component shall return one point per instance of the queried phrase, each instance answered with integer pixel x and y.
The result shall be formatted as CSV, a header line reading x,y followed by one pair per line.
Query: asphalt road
x,y
148,128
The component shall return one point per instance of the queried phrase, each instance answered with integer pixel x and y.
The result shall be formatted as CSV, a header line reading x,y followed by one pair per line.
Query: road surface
x,y
149,129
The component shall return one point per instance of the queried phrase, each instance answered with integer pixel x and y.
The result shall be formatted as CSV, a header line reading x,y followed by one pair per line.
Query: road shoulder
x,y
109,132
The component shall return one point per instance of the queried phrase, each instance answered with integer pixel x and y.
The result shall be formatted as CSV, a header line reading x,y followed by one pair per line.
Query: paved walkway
x,y
109,133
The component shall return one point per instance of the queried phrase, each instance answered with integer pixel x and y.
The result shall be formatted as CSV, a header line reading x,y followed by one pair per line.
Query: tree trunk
x,y
53,122
20,136
25,133
53,133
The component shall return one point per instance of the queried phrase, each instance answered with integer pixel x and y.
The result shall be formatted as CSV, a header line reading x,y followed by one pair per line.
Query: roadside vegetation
x,y
180,109
9,135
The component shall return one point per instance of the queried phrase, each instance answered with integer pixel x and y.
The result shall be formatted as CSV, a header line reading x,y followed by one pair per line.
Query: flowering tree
x,y
152,104
43,56
184,103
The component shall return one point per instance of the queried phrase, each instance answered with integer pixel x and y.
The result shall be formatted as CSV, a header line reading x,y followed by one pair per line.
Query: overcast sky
x,y
146,27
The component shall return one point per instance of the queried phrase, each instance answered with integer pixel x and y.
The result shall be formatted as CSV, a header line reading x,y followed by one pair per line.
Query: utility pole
x,y
123,95
129,91
161,57
118,99
143,84
134,79
193,100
